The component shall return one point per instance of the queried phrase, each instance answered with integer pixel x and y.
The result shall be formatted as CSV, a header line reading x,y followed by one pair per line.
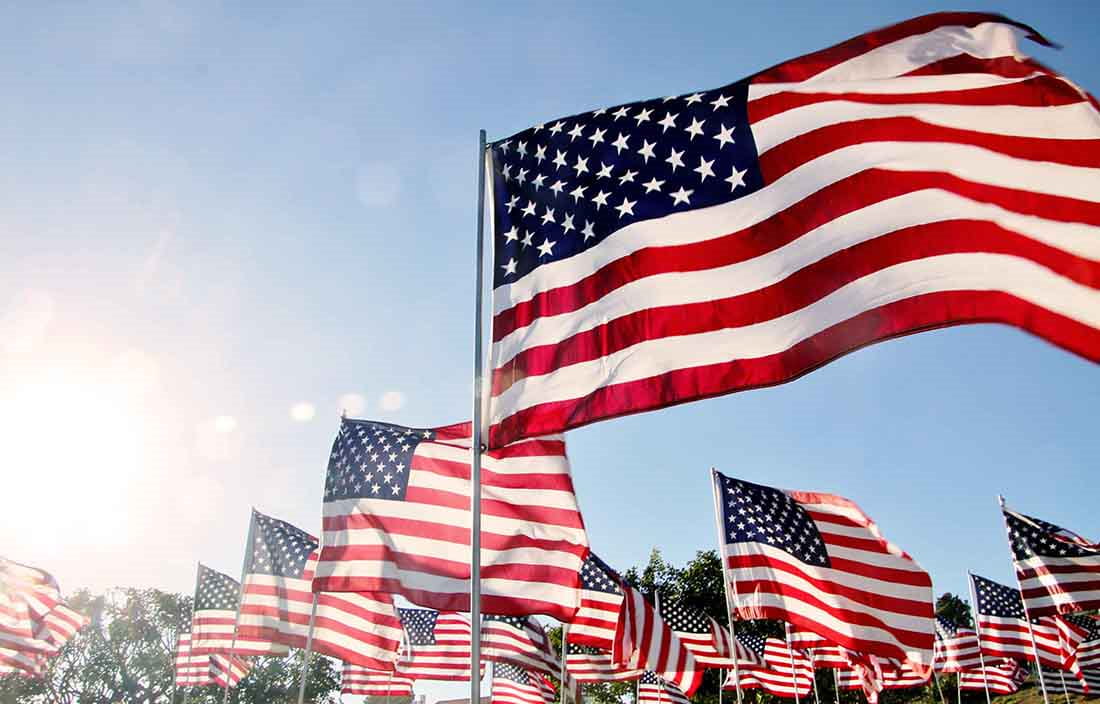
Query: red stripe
x,y
805,67
1006,66
893,320
320,645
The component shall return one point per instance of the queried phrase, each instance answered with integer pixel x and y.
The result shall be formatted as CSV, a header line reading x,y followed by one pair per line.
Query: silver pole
x,y
1027,616
638,691
1062,676
561,677
836,685
959,684
939,689
476,439
725,575
240,593
813,670
309,651
790,654
978,637
722,680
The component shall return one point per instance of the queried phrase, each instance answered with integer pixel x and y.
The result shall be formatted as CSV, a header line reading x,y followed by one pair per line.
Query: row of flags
x,y
35,623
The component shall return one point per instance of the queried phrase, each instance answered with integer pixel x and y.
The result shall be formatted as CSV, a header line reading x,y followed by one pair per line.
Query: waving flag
x,y
652,689
821,564
956,647
709,642
1088,653
397,520
643,641
782,671
519,640
361,682
437,645
228,670
1058,681
587,664
515,685
34,622
192,670
214,619
1001,677
917,176
362,629
1058,571
601,601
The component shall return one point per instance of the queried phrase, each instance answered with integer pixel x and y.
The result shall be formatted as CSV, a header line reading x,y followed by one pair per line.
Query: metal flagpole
x,y
309,651
722,680
790,653
817,700
725,576
939,689
638,691
476,439
1027,616
240,593
1062,676
836,685
561,677
978,637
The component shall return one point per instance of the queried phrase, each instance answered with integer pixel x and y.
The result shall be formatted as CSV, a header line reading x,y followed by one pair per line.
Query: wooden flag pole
x,y
1027,616
309,651
476,436
978,637
725,575
240,596
790,654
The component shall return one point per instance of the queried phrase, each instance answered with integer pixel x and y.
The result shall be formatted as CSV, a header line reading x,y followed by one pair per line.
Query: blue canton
x,y
216,591
753,513
752,642
598,577
419,625
371,460
279,548
561,188
946,628
997,599
1033,537
510,672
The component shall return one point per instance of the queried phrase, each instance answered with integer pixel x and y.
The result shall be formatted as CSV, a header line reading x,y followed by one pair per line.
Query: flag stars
x,y
735,179
721,101
628,177
559,159
578,193
704,169
548,216
605,171
643,116
621,112
724,136
537,181
521,149
556,128
540,153
695,128
647,150
597,136
577,131
557,187
587,231
600,199
567,222
669,120
546,248
652,185
620,142
581,166
675,159
694,98
529,209
626,207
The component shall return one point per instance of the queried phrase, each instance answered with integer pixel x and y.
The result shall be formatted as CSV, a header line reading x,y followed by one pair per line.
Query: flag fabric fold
x,y
518,640
652,689
956,647
359,681
782,671
643,641
601,600
1058,570
437,645
1002,677
513,684
214,621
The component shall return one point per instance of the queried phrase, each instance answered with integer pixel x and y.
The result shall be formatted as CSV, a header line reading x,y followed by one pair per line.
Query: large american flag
x,y
1000,677
781,671
34,622
821,564
437,645
192,669
587,664
643,641
397,520
513,684
362,629
360,681
214,619
1058,681
956,647
519,640
708,641
601,600
1058,570
1003,628
1088,653
917,176
652,689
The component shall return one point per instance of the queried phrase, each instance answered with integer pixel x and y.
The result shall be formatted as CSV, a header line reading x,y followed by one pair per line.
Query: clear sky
x,y
219,225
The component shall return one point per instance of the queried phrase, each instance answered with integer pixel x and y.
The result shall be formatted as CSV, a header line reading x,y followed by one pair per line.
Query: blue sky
x,y
219,224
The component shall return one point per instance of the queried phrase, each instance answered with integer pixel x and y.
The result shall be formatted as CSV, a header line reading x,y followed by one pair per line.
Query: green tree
x,y
955,609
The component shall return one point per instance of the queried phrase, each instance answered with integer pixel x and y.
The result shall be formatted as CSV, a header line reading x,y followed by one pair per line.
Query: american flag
x,y
956,647
821,564
601,600
362,629
513,684
1001,677
917,176
643,641
437,645
1003,628
652,689
397,520
1058,571
1088,653
192,669
34,622
828,657
1058,681
708,641
587,664
363,682
782,671
214,618
228,670
883,675
519,640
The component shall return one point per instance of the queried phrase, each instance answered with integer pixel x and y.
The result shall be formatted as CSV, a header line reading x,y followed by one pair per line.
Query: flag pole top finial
x,y
1001,500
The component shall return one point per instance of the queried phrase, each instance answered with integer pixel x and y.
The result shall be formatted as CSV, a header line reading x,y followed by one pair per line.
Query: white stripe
x,y
900,85
520,498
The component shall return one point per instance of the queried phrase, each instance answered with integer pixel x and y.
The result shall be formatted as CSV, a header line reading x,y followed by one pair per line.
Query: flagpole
x,y
1023,603
937,683
959,683
725,576
309,651
977,636
722,678
813,670
1062,676
836,685
561,677
240,594
475,437
790,653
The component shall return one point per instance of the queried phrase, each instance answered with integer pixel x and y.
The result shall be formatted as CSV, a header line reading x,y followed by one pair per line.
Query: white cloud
x,y
392,401
303,411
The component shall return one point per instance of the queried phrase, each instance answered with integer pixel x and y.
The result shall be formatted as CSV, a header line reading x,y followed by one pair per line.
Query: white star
x,y
505,145
567,222
628,176
643,116
681,196
600,199
557,187
512,235
548,216
605,171
581,166
578,193
597,136
540,152
546,248
557,127
669,120
647,150
559,159
522,149
694,98
695,128
725,136
512,203
529,209
601,111
528,240
652,185
575,132
704,169
621,112
620,142
626,207
675,159
537,181
737,178
720,102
